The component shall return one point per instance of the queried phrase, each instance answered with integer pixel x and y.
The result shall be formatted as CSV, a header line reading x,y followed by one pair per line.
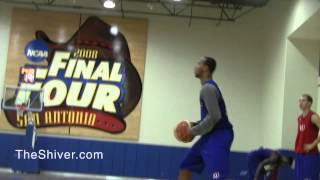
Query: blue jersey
x,y
224,122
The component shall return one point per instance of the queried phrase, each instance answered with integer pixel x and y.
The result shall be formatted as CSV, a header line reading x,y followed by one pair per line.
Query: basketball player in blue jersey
x,y
213,148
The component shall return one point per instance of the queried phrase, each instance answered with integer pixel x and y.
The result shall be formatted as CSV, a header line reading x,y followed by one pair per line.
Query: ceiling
x,y
310,29
192,9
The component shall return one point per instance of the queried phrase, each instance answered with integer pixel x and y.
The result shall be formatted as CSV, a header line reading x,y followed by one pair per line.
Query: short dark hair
x,y
211,63
308,97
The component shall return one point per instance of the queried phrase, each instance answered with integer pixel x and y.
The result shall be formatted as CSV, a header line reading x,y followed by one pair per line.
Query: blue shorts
x,y
211,150
306,167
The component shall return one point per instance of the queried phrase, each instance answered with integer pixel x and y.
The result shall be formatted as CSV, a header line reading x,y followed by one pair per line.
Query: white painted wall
x,y
171,93
5,20
273,73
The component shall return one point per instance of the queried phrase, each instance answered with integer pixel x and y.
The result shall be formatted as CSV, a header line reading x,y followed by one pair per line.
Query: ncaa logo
x,y
36,51
216,175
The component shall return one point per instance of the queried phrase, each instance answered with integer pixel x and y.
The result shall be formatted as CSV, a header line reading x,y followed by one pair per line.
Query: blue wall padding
x,y
120,159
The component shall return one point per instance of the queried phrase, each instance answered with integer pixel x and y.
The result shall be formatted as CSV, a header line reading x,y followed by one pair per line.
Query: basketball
x,y
181,131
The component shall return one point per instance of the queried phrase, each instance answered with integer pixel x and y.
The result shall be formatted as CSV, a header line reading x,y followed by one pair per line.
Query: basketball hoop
x,y
25,101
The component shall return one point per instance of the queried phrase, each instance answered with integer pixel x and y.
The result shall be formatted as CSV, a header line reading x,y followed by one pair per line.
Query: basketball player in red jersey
x,y
307,140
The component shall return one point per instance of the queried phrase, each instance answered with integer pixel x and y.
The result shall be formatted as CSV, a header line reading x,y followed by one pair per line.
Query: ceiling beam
x,y
185,5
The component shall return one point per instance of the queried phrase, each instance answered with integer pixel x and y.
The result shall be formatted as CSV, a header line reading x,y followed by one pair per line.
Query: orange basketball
x,y
181,130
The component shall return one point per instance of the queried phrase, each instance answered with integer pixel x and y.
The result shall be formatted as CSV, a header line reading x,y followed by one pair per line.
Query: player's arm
x,y
316,121
209,95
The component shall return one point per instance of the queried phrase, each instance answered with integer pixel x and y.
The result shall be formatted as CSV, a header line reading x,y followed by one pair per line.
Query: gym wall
x,y
263,54
257,64
171,93
291,69
5,19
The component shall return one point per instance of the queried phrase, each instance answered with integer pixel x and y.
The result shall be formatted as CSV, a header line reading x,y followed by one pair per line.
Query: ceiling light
x,y
114,30
109,4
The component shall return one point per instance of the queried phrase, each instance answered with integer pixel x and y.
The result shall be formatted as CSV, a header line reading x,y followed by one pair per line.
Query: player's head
x,y
305,102
205,67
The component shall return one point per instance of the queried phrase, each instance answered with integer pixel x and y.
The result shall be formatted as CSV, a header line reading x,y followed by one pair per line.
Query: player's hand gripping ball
x,y
182,132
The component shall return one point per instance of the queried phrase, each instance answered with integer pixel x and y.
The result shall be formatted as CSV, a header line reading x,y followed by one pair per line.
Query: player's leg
x,y
192,163
216,154
217,163
185,174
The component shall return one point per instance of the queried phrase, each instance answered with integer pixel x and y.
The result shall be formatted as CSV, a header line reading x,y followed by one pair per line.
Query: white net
x,y
21,109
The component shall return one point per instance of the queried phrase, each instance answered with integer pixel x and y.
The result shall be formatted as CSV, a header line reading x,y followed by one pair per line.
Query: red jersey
x,y
307,134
